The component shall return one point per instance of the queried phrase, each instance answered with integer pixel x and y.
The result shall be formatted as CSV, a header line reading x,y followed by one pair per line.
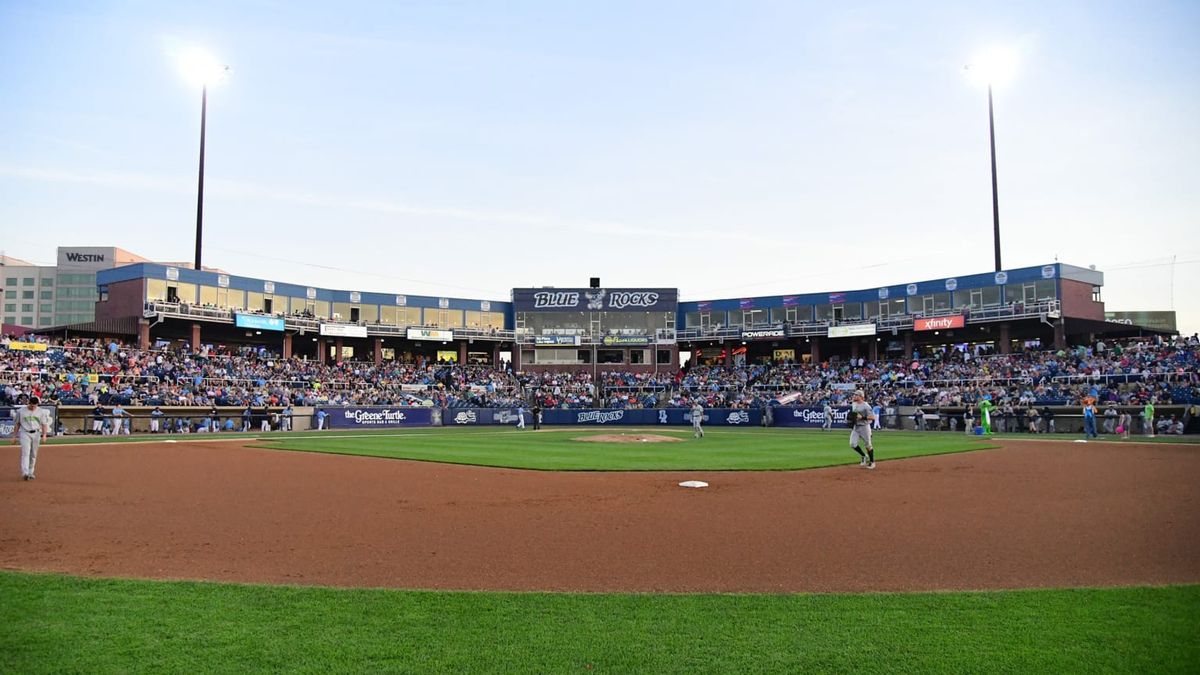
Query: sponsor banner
x,y
939,323
477,416
809,416
343,330
18,346
852,330
836,298
258,322
625,340
430,334
414,387
765,334
704,306
1152,320
747,303
378,417
595,299
785,354
791,301
661,417
8,424
556,340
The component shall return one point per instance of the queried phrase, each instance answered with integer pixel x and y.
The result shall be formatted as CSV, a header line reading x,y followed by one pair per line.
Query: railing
x,y
159,308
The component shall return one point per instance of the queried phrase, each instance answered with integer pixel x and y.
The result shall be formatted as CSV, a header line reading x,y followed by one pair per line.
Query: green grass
x,y
67,624
749,449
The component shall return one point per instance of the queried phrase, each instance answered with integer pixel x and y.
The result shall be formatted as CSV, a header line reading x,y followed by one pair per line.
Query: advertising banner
x,y
556,340
626,340
430,334
258,322
595,299
8,423
377,417
18,346
939,323
1152,320
809,416
343,330
477,416
664,416
852,330
765,334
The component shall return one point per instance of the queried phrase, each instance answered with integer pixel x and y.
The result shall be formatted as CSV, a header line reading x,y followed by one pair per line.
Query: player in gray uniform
x,y
827,425
697,419
860,432
31,427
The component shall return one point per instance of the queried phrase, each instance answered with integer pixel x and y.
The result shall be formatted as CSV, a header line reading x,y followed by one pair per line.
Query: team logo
x,y
951,284
547,299
465,417
595,301
505,417
1001,278
911,289
601,416
662,416
883,293
1048,272
738,417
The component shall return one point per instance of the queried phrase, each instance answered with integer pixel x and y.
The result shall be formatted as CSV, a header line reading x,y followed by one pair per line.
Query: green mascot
x,y
985,413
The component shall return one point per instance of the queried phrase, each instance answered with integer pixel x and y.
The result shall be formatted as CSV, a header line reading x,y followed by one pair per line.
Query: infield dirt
x,y
1032,514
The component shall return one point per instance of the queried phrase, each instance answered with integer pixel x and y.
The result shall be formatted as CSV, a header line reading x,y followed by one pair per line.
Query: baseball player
x,y
98,419
537,416
31,427
827,425
287,418
860,419
321,414
521,417
697,420
156,416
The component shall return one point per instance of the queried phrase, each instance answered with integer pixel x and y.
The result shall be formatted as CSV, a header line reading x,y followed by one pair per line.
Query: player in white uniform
x,y
860,431
30,428
827,425
697,420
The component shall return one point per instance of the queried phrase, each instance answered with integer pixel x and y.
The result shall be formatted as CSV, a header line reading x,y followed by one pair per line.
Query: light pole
x,y
199,67
995,66
995,190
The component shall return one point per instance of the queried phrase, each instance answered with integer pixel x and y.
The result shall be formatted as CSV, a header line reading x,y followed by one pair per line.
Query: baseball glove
x,y
851,419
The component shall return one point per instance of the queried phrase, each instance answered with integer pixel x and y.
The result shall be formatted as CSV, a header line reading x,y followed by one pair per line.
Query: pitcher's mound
x,y
628,438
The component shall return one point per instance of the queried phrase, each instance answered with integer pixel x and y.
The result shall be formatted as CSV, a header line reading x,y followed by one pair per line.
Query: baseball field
x,y
574,549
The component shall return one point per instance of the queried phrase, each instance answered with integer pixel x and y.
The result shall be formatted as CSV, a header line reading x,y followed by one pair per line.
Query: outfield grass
x,y
752,449
67,624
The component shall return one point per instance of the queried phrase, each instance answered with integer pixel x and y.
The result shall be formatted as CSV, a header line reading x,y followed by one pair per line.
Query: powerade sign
x,y
809,416
595,299
378,417
258,322
765,334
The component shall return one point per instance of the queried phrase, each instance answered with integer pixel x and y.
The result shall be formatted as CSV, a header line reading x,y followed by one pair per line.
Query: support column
x,y
729,354
195,337
1005,345
287,345
873,352
908,345
815,349
495,354
322,351
854,348
462,353
143,334
378,351
1060,334
337,349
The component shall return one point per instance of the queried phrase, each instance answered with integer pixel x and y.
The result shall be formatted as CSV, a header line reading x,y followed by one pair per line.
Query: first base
x,y
693,484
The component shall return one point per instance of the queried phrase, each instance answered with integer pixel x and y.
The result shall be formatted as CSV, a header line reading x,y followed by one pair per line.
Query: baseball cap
x,y
859,392
33,400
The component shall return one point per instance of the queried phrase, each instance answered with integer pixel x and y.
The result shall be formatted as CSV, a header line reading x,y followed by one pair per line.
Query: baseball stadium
x,y
599,337
428,483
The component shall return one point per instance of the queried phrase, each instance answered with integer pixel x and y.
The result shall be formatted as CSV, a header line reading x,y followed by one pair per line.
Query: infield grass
x,y
747,449
70,624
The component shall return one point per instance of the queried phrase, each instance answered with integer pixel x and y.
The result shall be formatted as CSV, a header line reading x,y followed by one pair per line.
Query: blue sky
x,y
727,148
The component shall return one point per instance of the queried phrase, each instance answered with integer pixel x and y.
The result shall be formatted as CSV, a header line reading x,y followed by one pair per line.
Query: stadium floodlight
x,y
995,66
200,68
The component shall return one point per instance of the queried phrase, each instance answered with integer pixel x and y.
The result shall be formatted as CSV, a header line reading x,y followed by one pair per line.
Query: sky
x,y
729,149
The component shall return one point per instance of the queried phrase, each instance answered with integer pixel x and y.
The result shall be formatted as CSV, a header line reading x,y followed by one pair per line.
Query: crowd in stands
x,y
108,372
